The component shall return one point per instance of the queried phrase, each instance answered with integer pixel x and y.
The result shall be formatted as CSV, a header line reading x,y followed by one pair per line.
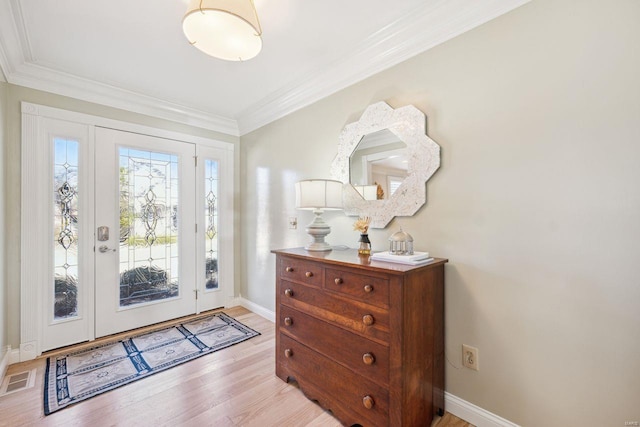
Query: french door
x,y
127,228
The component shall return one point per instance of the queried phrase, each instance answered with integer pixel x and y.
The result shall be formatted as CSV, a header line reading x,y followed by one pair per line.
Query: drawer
x,y
372,290
365,319
302,271
359,354
341,390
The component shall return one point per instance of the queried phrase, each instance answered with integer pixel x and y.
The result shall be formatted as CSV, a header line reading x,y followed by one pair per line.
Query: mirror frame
x,y
407,123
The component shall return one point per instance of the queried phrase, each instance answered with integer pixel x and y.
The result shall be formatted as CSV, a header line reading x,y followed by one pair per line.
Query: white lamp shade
x,y
319,194
225,29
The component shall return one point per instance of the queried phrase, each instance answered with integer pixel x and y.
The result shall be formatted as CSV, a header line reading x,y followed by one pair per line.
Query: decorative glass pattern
x,y
65,228
148,226
211,221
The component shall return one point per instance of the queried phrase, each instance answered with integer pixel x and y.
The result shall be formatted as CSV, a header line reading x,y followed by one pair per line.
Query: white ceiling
x,y
132,54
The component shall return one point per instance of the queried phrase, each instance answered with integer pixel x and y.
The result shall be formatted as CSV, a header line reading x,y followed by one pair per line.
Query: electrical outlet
x,y
470,357
293,223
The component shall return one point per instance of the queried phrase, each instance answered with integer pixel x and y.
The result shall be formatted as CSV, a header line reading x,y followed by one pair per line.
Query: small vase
x,y
365,245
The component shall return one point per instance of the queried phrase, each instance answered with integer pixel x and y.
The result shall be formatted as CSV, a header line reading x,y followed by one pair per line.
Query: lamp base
x,y
319,247
318,229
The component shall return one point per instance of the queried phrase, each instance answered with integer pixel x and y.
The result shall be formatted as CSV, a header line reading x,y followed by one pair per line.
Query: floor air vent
x,y
18,381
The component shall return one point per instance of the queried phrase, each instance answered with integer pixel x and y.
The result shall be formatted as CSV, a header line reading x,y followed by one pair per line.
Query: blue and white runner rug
x,y
78,376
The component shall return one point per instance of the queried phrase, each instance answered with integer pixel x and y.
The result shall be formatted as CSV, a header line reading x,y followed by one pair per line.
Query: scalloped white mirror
x,y
384,159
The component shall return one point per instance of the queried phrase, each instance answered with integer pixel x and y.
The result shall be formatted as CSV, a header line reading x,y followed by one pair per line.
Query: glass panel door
x,y
145,198
149,197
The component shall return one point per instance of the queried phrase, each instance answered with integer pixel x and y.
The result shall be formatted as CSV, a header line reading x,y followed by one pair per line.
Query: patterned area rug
x,y
79,376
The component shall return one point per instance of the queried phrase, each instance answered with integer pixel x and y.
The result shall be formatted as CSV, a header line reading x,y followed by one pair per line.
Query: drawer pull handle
x,y
288,321
367,319
338,281
308,274
368,359
288,292
289,269
368,402
368,288
288,353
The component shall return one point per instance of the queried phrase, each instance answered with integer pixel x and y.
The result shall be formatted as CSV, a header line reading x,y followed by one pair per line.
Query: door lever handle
x,y
104,249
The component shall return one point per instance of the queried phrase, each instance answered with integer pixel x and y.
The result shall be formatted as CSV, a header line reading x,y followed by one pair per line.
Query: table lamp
x,y
318,195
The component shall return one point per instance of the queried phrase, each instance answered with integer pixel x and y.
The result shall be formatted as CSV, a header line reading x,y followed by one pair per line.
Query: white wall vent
x,y
18,381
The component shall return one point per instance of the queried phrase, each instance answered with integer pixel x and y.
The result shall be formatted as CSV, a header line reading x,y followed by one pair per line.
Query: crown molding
x,y
19,68
10,46
416,32
46,79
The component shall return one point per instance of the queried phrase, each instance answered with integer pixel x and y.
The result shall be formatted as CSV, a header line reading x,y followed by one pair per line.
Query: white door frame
x,y
34,226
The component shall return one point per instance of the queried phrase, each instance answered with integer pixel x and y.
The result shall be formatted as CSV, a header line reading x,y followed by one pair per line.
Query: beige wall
x,y
14,95
3,229
536,204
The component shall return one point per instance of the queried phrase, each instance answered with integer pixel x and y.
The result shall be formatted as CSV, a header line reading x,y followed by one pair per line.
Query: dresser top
x,y
351,258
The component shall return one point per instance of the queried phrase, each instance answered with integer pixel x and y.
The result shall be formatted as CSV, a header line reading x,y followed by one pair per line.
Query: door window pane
x,y
211,221
65,228
148,226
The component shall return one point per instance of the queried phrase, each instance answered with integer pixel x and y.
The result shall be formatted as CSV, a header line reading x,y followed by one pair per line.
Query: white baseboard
x,y
5,358
257,309
473,414
233,302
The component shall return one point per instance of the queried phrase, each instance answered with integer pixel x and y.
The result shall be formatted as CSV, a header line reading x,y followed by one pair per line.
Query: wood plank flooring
x,y
236,386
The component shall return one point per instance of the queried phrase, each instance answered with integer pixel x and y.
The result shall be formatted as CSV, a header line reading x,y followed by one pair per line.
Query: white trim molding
x,y
416,32
5,361
49,80
473,414
31,226
88,119
255,308
20,68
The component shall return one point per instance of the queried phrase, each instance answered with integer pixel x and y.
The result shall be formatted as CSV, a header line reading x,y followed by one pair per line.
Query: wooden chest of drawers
x,y
363,338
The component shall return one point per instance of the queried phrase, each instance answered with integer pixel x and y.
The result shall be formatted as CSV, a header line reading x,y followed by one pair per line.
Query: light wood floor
x,y
232,387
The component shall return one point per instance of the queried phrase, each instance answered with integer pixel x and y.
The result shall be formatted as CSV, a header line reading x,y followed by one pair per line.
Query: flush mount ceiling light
x,y
225,29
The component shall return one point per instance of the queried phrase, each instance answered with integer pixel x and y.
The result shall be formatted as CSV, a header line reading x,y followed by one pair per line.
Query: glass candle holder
x,y
365,245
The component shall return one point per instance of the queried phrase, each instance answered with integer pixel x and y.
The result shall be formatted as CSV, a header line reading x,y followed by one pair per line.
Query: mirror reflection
x,y
378,165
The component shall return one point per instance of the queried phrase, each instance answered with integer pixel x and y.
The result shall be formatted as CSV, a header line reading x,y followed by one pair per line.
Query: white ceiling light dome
x,y
225,29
